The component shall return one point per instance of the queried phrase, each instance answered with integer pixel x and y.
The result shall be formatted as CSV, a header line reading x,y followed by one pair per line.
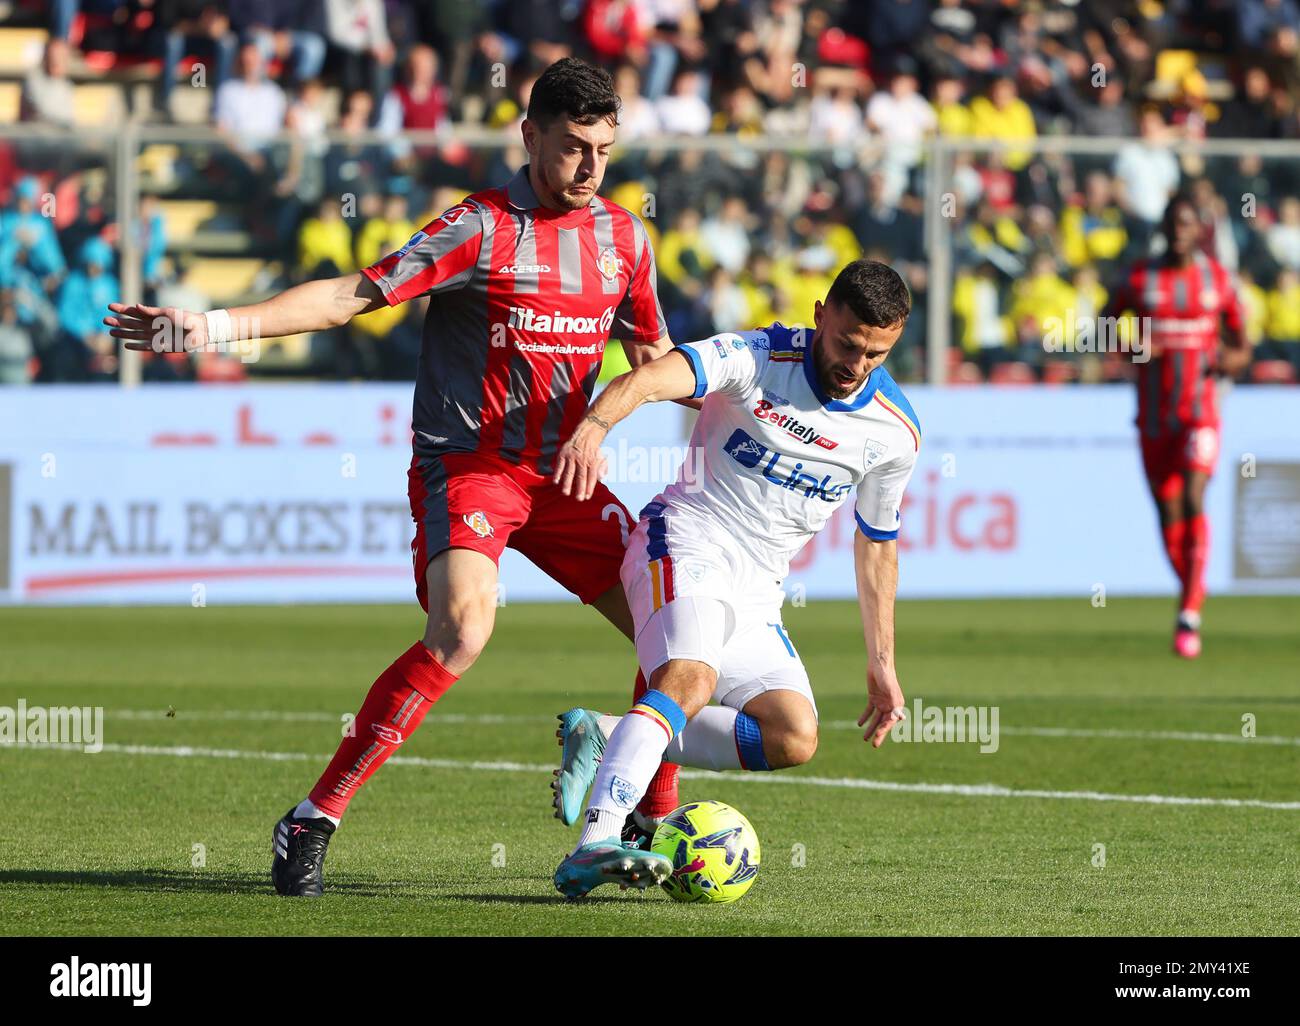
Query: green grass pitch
x,y
461,840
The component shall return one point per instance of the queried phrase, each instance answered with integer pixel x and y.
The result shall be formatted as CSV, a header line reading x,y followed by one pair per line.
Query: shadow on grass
x,y
538,899
172,881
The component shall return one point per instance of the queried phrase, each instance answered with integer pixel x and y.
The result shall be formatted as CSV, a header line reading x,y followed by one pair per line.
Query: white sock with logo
x,y
632,755
707,742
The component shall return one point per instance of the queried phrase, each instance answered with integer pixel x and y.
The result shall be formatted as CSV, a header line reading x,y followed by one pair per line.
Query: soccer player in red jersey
x,y
1181,297
527,283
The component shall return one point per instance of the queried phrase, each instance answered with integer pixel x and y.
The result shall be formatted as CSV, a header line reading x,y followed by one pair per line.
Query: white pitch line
x,y
858,783
460,719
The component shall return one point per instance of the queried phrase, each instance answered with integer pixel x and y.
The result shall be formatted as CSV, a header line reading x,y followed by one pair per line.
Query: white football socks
x,y
632,755
307,810
707,742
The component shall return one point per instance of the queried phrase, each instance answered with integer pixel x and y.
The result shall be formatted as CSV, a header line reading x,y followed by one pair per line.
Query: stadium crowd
x,y
744,234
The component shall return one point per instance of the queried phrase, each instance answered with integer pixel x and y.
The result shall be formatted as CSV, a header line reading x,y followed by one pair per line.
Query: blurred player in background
x,y
1182,296
528,282
791,427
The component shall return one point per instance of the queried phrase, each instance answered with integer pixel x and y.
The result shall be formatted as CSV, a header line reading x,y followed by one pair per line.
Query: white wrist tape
x,y
220,327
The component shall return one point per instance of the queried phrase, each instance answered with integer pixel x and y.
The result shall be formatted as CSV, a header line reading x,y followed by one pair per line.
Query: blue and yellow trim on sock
x,y
656,706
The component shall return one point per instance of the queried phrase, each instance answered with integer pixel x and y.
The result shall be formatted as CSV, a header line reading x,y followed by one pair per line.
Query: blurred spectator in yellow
x,y
387,232
325,243
756,284
683,257
1003,116
952,117
986,332
1093,232
1254,303
1282,327
1041,300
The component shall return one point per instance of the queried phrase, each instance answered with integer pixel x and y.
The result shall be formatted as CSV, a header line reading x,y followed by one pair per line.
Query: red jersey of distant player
x,y
522,300
1178,407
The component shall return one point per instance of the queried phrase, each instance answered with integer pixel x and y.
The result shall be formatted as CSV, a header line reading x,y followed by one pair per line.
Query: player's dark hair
x,y
573,89
873,291
1182,198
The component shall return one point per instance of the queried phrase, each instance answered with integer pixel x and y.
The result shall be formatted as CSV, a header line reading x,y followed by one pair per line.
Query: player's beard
x,y
827,377
571,195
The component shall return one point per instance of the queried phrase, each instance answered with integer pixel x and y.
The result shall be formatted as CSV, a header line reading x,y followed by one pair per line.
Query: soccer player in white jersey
x,y
793,424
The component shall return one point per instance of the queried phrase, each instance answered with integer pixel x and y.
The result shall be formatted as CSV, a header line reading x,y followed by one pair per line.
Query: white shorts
x,y
694,594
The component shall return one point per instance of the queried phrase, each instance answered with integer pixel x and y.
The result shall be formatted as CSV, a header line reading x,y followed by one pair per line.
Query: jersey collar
x,y
854,402
520,195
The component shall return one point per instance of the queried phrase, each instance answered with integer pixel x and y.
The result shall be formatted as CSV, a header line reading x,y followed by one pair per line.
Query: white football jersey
x,y
772,457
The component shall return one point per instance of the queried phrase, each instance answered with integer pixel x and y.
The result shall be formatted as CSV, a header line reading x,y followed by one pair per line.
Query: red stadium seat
x,y
1013,373
1273,372
965,374
1058,372
221,370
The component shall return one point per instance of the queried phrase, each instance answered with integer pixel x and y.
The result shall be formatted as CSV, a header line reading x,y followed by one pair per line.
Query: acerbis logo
x,y
388,734
525,318
753,455
525,269
765,411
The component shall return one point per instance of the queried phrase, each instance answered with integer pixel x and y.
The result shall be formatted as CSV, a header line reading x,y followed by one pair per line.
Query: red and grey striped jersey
x,y
522,300
1176,386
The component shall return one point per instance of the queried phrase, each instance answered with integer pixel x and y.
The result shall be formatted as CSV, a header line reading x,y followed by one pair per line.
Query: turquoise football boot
x,y
583,745
610,862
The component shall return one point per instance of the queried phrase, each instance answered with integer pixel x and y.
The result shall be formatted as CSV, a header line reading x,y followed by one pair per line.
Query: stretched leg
x,y
462,610
661,793
461,589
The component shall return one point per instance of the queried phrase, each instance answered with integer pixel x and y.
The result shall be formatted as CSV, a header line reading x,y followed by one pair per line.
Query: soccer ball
x,y
714,850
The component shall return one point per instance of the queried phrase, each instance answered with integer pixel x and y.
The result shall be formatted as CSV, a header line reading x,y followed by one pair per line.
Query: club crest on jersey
x,y
874,450
478,523
608,263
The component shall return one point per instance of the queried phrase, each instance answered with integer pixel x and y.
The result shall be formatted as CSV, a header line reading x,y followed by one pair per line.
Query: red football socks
x,y
1196,548
392,710
1175,542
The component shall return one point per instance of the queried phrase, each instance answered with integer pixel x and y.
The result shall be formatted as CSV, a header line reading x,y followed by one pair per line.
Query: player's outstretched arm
x,y
579,465
311,306
640,353
876,566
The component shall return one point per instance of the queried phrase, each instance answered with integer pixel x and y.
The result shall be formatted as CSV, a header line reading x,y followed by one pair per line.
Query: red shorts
x,y
480,502
1168,458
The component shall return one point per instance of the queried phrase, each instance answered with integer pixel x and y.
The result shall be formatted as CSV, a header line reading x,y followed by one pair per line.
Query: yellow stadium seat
x,y
223,279
182,218
98,105
21,49
11,95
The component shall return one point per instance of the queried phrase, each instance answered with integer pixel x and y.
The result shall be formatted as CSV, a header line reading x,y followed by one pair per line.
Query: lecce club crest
x,y
478,523
609,264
